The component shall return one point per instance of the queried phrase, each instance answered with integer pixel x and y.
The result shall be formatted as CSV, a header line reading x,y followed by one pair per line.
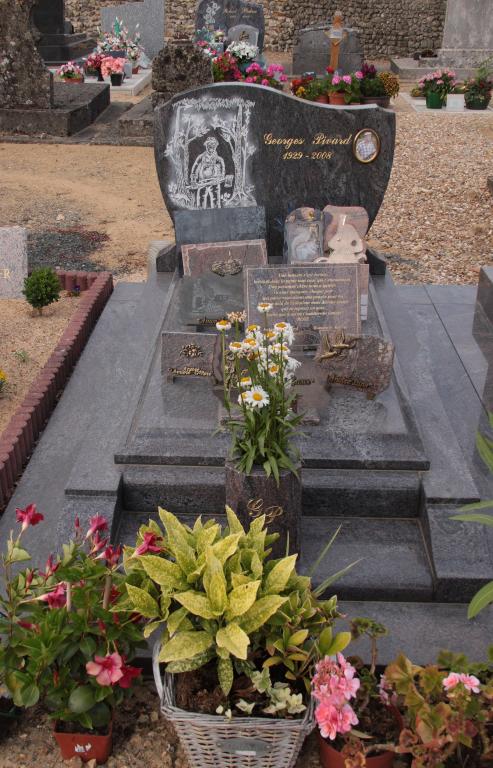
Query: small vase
x,y
116,79
256,494
135,70
337,99
100,76
85,746
434,100
324,99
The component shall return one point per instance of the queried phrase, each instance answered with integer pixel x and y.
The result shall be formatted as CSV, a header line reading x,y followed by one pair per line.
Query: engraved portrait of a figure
x,y
209,153
208,172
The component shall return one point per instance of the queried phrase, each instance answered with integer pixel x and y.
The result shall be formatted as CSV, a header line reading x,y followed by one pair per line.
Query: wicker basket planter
x,y
245,742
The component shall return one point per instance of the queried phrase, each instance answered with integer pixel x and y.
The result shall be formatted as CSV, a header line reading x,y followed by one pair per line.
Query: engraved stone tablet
x,y
222,258
188,355
314,296
303,236
205,300
364,363
13,261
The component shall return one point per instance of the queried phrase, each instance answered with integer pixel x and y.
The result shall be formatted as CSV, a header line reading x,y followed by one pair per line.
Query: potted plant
x,y
391,83
436,86
70,73
478,89
344,89
372,87
93,65
352,694
114,68
447,714
299,86
272,76
240,633
244,53
71,648
225,68
316,89
263,473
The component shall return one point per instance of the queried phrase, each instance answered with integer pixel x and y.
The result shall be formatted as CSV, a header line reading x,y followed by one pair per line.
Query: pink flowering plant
x,y
442,81
70,71
349,85
448,711
349,694
68,646
111,66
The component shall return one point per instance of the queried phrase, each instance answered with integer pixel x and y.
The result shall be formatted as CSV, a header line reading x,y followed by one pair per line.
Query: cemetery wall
x,y
388,27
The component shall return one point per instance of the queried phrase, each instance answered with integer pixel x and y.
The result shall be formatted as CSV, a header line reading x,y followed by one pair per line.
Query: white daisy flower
x,y
223,325
236,347
264,307
250,345
292,364
252,329
245,398
245,381
259,397
274,370
279,349
286,329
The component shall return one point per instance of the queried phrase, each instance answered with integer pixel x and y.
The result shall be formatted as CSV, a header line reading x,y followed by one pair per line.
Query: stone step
x,y
393,561
326,493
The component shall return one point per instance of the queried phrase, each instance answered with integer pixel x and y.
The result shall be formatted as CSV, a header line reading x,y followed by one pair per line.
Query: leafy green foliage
x,y
42,288
222,599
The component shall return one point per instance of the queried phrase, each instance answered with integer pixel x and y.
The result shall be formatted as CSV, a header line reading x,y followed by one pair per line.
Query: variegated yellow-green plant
x,y
216,594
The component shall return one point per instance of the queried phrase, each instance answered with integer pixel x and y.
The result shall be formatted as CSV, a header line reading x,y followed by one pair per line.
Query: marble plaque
x,y
364,363
222,258
355,215
227,14
188,355
13,261
230,145
312,296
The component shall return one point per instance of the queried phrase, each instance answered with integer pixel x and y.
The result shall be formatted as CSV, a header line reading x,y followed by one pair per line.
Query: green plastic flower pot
x,y
434,100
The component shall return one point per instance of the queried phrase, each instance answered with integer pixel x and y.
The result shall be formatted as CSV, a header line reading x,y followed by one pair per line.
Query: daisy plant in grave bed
x,y
258,375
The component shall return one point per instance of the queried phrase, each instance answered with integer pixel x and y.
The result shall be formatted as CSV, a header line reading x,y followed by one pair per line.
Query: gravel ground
x,y
141,738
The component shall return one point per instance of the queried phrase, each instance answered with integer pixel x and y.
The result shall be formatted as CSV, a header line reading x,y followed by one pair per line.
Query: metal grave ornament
x,y
222,258
363,362
186,355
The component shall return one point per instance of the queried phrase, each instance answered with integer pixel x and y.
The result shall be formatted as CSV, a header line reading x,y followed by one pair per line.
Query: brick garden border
x,y
19,438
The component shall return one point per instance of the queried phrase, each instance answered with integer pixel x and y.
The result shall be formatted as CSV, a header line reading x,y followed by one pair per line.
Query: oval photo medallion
x,y
366,145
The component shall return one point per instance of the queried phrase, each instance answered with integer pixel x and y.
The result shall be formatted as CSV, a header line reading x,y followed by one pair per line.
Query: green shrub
x,y
42,288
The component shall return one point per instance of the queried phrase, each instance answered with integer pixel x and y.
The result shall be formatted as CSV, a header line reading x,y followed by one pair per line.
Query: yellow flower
x,y
252,328
3,376
245,381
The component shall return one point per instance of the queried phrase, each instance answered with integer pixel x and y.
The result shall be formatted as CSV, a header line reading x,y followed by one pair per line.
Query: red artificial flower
x,y
98,543
96,523
27,625
57,598
28,516
330,70
129,673
106,669
149,544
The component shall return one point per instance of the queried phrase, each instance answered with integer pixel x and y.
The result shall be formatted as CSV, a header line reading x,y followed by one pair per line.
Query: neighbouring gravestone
x,y
146,17
188,355
24,80
217,225
179,66
222,258
243,33
230,146
318,44
364,363
226,14
467,34
55,44
314,296
13,262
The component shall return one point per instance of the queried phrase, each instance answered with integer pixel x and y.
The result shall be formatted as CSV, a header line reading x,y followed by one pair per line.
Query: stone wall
x,y
388,27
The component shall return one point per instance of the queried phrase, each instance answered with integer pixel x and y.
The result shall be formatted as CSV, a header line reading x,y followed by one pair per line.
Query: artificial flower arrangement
x,y
243,52
226,68
440,82
448,710
93,63
273,76
478,89
111,66
258,376
64,644
71,71
119,39
353,694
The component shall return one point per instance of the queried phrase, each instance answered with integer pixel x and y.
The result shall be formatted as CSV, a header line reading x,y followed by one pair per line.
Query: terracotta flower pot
x,y
337,99
332,758
255,494
324,99
72,80
86,746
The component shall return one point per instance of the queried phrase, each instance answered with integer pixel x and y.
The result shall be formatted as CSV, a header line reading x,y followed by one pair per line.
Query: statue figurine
x,y
346,246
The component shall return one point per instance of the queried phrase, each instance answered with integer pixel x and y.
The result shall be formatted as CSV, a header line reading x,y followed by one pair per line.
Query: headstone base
x,y
312,52
57,49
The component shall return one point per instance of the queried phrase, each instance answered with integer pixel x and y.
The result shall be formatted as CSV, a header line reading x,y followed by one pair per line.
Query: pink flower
x,y
96,523
50,568
358,75
283,79
129,673
336,80
56,598
112,556
451,681
265,82
347,79
471,683
106,669
333,720
439,82
148,545
28,516
97,543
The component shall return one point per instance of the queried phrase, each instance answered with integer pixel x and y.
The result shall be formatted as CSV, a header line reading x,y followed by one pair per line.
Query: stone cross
x,y
24,80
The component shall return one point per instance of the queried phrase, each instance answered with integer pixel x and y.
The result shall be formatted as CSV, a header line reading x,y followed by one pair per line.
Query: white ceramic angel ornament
x,y
346,246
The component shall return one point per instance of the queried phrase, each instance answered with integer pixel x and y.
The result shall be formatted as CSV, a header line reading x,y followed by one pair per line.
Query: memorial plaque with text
x,y
188,355
13,262
315,296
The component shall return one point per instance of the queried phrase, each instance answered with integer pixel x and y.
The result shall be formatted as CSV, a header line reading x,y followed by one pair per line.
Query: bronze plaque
x,y
188,355
363,362
308,296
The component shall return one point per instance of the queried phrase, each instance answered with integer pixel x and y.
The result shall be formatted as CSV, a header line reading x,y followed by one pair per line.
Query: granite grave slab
x,y
218,225
312,53
188,355
225,14
222,258
216,146
147,17
13,261
311,296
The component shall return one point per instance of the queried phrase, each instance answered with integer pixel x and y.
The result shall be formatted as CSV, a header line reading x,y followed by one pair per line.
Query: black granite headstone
x,y
230,146
225,14
55,45
49,17
219,225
